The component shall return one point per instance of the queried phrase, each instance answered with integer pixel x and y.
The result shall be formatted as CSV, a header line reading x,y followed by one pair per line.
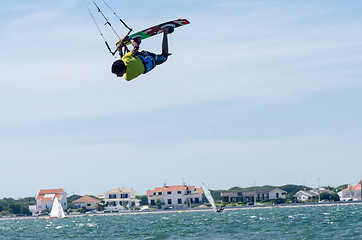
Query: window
x,y
169,201
112,196
169,193
153,202
88,204
125,195
179,201
178,192
159,193
277,195
197,200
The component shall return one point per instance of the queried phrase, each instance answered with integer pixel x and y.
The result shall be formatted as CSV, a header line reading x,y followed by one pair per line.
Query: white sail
x,y
209,197
57,210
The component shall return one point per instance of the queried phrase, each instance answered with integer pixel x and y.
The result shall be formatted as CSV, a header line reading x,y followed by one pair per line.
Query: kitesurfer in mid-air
x,y
135,63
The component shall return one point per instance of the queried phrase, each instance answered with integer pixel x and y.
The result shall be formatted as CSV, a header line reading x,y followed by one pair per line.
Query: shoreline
x,y
292,205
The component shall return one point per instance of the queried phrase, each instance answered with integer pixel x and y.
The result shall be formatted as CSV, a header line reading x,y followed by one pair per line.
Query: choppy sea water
x,y
320,222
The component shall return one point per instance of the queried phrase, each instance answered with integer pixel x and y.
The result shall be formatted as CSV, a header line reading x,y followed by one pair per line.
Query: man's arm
x,y
135,43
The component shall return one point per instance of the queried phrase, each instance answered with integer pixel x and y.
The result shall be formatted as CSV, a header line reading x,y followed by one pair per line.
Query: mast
x,y
254,194
319,195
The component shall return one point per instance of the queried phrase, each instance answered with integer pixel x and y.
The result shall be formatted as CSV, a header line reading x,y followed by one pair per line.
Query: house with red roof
x,y
45,199
351,193
88,202
175,197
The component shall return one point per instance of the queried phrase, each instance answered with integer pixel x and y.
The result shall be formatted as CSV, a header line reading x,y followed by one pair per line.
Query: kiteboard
x,y
149,32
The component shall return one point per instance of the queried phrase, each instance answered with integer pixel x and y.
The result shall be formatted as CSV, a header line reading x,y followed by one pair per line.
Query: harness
x,y
147,60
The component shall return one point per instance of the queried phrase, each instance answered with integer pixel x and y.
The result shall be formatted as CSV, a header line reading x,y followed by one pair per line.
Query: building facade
x,y
252,196
175,197
87,202
45,199
119,198
351,193
306,195
314,194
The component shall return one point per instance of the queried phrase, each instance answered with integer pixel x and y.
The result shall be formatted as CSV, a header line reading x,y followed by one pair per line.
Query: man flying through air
x,y
135,63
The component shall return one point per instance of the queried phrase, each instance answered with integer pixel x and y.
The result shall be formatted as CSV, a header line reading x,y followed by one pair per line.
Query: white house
x,y
88,202
45,199
121,197
305,195
176,197
259,195
352,193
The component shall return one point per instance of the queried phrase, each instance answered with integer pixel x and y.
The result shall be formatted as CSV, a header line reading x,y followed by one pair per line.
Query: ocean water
x,y
319,222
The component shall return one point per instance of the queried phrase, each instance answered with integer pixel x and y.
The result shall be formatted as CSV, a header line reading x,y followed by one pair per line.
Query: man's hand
x,y
119,47
136,44
121,44
125,38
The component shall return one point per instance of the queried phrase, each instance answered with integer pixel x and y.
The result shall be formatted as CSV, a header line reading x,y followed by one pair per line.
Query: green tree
x,y
158,203
340,188
15,208
72,198
144,199
216,195
329,196
19,207
27,201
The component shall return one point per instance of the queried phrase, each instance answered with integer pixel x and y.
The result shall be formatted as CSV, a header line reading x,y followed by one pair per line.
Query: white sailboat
x,y
209,197
57,210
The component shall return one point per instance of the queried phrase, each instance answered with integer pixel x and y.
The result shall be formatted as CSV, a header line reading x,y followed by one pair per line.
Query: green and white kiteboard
x,y
149,32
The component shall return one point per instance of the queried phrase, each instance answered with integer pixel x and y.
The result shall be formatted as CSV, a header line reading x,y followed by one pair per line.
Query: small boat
x,y
57,210
209,197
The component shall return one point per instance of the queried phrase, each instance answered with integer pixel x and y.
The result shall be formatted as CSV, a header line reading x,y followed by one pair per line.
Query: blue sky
x,y
264,91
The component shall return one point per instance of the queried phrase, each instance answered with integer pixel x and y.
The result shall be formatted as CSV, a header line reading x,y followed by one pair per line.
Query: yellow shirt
x,y
134,66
